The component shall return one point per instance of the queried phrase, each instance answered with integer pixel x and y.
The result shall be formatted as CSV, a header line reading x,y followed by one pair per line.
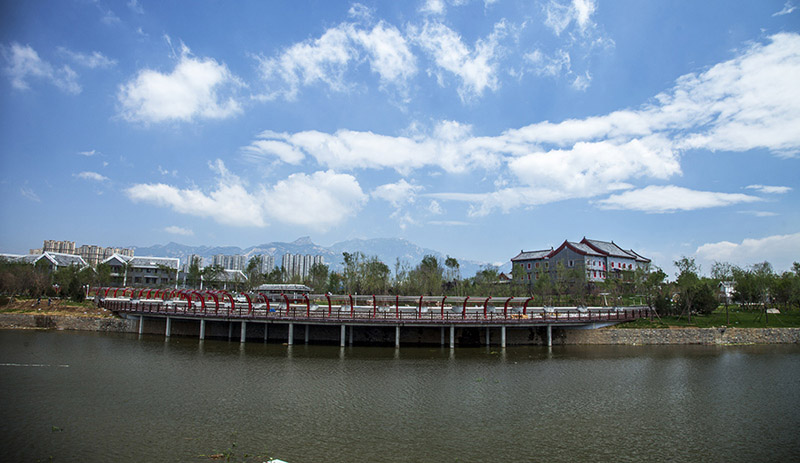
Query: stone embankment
x,y
66,322
709,336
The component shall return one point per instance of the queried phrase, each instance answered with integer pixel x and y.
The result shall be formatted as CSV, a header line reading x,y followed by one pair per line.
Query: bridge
x,y
205,308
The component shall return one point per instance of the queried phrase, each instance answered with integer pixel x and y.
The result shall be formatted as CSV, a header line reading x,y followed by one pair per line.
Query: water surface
x,y
77,396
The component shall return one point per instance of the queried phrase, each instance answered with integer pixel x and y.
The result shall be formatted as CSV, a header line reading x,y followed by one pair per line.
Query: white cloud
x,y
175,230
755,93
261,148
788,8
89,153
778,190
397,194
476,68
559,16
759,213
779,250
389,53
24,63
94,176
665,199
135,6
317,201
30,194
192,90
435,208
327,59
432,7
92,61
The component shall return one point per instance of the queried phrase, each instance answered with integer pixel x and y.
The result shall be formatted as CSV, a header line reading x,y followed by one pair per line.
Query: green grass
x,y
738,319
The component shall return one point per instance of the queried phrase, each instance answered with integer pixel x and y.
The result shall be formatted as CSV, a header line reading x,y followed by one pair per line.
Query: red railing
x,y
368,309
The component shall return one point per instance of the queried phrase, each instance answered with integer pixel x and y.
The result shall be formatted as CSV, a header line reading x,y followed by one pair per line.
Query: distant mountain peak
x,y
303,241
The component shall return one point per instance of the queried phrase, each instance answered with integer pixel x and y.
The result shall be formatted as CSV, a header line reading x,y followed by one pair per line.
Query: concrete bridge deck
x,y
375,313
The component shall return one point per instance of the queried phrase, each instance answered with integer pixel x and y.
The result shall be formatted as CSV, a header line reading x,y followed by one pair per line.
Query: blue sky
x,y
476,128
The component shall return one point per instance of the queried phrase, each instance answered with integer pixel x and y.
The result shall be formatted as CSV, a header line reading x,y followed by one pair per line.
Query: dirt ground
x,y
55,307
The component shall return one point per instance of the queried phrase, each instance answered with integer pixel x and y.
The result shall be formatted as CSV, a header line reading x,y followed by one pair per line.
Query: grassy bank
x,y
737,318
54,307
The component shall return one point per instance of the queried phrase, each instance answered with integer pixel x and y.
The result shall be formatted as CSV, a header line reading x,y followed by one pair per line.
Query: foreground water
x,y
70,396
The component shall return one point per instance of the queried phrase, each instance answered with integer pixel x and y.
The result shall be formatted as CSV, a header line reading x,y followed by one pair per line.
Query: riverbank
x,y
561,336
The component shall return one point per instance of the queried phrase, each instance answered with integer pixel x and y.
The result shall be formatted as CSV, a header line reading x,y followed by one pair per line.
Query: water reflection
x,y
152,400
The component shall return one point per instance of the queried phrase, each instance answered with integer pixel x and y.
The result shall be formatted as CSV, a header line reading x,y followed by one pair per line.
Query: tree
x,y
426,278
375,276
211,275
254,276
318,276
453,273
194,274
722,272
686,281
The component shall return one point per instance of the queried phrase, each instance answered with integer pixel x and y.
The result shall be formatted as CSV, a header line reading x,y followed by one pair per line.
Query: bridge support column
x,y
452,336
291,334
230,330
488,340
549,335
307,334
397,336
169,327
202,329
503,336
141,324
243,334
341,338
266,331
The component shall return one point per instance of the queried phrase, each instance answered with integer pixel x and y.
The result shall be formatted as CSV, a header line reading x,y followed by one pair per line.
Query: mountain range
x,y
388,250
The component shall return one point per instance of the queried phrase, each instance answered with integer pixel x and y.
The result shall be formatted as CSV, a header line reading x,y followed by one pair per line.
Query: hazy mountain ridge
x,y
388,251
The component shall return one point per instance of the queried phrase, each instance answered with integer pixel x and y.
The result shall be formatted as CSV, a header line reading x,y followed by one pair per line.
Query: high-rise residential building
x,y
267,263
298,264
189,260
228,262
64,247
93,254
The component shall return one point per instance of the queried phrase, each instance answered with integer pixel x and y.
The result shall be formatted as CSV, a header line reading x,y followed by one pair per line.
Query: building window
x,y
571,263
537,264
529,265
547,265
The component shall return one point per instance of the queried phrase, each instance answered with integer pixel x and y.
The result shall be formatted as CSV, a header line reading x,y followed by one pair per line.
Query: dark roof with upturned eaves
x,y
608,249
532,255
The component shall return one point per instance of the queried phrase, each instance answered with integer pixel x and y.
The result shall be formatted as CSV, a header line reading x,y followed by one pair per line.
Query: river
x,y
81,396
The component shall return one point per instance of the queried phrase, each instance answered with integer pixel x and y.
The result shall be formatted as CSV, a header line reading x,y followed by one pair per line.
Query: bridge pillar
x,y
141,324
291,334
452,336
266,331
549,335
503,336
202,329
397,336
243,334
341,338
488,340
169,327
230,330
307,334
442,336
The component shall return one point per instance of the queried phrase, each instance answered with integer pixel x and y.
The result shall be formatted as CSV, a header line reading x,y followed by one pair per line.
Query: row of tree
x,y
690,293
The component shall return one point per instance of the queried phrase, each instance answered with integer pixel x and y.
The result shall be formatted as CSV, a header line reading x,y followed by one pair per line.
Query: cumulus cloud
x,y
779,190
318,201
29,194
175,230
24,64
780,250
88,153
94,176
397,194
754,93
476,68
327,59
194,89
662,199
559,16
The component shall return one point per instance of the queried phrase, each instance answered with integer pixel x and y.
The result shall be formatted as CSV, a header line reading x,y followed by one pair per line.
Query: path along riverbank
x,y
561,336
